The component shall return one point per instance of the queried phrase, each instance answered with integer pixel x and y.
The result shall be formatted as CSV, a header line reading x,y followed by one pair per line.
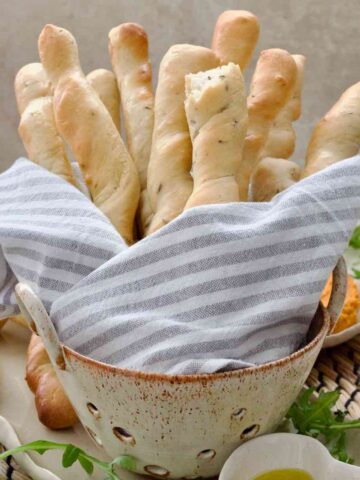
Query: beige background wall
x,y
326,31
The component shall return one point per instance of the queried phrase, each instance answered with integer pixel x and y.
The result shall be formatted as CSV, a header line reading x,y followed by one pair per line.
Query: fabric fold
x,y
221,287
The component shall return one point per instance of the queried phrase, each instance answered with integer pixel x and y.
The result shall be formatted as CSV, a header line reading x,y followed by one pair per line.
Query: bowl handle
x,y
338,292
39,321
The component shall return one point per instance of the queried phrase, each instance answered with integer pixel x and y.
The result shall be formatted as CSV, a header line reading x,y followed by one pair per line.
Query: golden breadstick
x,y
282,137
31,83
84,122
53,407
129,52
37,128
235,36
104,83
272,176
216,110
169,180
128,46
272,84
337,135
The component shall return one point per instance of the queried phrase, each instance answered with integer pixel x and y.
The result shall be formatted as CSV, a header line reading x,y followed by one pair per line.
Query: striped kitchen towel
x,y
221,287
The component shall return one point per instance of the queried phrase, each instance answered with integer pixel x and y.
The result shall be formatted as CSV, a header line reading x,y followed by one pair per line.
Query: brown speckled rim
x,y
321,313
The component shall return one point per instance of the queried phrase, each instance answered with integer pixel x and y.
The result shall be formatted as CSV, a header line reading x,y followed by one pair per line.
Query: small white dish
x,y
342,337
285,451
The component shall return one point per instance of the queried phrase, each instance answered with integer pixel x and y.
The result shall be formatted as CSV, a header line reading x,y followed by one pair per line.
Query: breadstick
x,y
282,137
337,135
169,180
84,122
30,83
104,83
128,46
272,176
272,84
129,52
37,128
235,36
217,116
53,407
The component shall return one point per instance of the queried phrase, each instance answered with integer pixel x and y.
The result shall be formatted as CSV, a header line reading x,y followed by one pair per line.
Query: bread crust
x,y
337,134
129,53
169,180
217,116
272,84
272,176
104,83
54,408
84,122
235,36
282,137
37,127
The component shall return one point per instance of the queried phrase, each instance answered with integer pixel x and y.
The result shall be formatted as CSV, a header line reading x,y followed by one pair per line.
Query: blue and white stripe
x,y
221,287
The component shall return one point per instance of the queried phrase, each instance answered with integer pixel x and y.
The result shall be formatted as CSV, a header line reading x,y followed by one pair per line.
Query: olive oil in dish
x,y
285,474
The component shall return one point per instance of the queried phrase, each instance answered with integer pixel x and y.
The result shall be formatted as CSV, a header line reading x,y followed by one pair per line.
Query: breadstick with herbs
x,y
169,181
217,115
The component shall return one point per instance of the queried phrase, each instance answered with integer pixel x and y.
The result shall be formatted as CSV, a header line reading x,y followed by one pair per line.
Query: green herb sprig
x,y
316,418
72,454
355,238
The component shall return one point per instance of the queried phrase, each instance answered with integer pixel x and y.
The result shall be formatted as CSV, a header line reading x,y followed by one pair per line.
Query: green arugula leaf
x,y
39,446
356,273
72,454
316,417
125,462
355,238
86,464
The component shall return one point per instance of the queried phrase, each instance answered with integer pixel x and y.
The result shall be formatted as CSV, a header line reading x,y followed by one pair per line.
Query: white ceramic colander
x,y
180,426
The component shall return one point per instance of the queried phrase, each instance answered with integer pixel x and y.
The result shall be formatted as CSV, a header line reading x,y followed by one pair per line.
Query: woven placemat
x,y
339,368
9,470
336,368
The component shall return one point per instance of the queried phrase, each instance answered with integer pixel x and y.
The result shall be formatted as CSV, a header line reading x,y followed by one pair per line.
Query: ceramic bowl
x,y
180,426
283,451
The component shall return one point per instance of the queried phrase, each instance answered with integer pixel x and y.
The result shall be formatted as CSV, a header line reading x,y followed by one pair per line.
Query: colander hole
x,y
93,435
93,410
207,454
123,435
157,471
239,414
250,431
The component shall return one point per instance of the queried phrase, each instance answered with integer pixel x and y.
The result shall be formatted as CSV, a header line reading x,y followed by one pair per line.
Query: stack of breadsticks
x,y
199,140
